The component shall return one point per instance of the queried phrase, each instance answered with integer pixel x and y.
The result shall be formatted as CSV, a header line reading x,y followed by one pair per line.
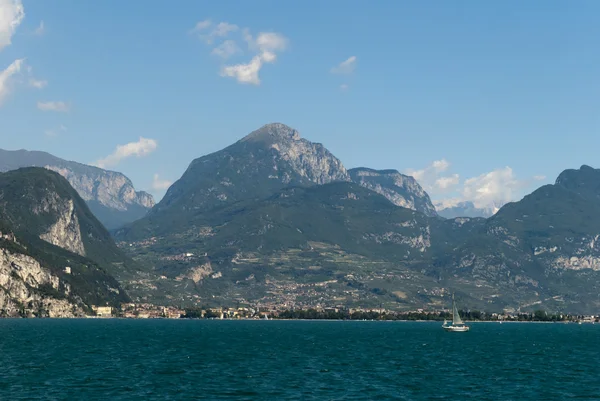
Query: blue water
x,y
295,360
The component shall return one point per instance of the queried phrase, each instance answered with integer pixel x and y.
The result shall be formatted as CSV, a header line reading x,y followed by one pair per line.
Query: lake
x,y
116,359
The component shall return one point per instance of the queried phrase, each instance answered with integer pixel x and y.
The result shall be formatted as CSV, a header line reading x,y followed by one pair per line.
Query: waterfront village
x,y
149,311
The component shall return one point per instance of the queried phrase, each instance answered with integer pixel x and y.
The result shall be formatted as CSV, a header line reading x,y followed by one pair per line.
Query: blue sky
x,y
478,100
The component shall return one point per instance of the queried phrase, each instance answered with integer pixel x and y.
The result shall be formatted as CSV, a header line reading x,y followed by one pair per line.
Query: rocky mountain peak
x,y
400,189
273,133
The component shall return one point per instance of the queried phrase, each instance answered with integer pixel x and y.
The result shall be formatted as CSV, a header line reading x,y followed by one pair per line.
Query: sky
x,y
480,101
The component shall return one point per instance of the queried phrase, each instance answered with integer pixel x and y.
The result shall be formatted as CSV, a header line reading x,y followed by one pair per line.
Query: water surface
x,y
114,359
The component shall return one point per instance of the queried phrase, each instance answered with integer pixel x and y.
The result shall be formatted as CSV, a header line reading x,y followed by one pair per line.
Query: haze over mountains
x,y
275,219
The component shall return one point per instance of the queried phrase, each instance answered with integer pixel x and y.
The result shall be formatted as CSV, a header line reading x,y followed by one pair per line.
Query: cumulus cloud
x,y
6,78
209,32
40,30
11,16
489,190
493,189
159,184
345,67
245,73
262,49
226,49
447,182
201,26
143,147
60,107
431,177
265,45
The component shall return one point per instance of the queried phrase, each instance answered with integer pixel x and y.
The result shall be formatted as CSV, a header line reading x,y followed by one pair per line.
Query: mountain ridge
x,y
109,194
54,254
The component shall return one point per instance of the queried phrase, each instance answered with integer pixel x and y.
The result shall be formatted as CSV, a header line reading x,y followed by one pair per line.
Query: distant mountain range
x,y
275,218
465,209
56,259
109,195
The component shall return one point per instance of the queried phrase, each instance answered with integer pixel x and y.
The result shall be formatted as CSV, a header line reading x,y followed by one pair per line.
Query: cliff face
x,y
65,232
400,189
28,289
110,195
40,205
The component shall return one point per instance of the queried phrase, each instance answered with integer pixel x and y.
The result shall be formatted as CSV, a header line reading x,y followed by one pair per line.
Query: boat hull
x,y
456,328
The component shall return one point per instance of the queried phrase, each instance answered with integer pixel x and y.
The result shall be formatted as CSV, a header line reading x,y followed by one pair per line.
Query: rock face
x,y
110,195
28,289
39,204
40,279
66,232
400,189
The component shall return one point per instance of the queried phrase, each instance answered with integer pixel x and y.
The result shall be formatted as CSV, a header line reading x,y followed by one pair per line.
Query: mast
x,y
455,316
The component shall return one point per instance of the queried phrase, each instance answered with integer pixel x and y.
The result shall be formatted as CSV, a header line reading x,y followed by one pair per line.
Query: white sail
x,y
455,316
457,324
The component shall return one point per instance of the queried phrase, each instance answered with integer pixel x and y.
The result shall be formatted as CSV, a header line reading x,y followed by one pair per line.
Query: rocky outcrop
x,y
108,188
66,232
110,195
307,159
28,289
400,189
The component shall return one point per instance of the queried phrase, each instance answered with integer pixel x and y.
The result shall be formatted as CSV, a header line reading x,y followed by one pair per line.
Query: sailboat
x,y
457,323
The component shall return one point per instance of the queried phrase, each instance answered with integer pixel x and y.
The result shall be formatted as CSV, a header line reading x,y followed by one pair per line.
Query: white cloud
x,y
266,45
11,16
40,30
271,42
6,78
143,147
430,174
263,49
539,177
60,107
447,182
37,83
226,49
244,73
490,190
159,184
220,30
493,189
201,26
223,29
344,87
345,67
51,133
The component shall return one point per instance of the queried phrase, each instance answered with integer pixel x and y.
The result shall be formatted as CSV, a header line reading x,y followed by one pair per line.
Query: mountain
x,y
54,254
400,189
266,160
109,195
465,209
277,220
